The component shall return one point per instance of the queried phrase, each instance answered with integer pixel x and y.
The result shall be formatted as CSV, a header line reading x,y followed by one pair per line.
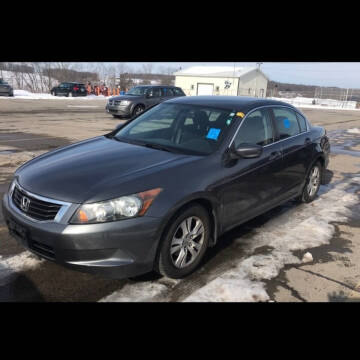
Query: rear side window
x,y
255,129
178,92
302,122
286,122
167,92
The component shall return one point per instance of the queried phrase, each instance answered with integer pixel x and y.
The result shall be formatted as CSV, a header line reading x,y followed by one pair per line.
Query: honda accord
x,y
155,193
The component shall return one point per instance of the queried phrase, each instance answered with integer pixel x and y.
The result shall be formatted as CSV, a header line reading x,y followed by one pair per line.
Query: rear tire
x,y
312,183
184,243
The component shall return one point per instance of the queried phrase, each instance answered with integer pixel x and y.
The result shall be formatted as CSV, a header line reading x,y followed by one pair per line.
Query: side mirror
x,y
246,151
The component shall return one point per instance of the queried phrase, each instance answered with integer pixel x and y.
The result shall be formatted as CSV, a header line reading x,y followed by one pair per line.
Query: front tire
x,y
138,109
184,243
312,183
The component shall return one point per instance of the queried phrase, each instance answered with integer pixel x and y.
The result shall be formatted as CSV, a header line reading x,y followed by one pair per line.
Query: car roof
x,y
235,103
172,86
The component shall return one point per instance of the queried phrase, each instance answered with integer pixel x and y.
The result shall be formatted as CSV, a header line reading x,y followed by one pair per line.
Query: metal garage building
x,y
222,80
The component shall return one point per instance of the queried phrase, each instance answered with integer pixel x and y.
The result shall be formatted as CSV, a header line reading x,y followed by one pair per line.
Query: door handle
x,y
275,155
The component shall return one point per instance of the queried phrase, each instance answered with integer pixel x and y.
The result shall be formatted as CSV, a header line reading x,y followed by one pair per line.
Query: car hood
x,y
92,169
126,97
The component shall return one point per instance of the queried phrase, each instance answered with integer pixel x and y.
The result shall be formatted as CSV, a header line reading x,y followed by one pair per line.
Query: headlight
x,y
125,102
124,207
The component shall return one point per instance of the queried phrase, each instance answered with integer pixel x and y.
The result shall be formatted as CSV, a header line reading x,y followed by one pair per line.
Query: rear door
x,y
166,93
63,89
296,147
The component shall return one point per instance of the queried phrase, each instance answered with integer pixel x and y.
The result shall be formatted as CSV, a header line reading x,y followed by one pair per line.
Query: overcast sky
x,y
345,75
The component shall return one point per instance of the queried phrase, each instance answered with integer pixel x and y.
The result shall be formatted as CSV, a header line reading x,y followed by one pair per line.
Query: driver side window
x,y
255,129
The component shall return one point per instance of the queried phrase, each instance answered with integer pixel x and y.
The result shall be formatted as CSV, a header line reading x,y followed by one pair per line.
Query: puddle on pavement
x,y
342,142
4,152
31,142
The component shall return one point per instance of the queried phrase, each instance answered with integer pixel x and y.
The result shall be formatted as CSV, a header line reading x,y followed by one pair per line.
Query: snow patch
x,y
138,292
24,94
327,104
11,265
353,131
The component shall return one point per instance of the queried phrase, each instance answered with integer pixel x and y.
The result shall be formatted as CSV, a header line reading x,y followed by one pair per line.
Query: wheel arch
x,y
206,203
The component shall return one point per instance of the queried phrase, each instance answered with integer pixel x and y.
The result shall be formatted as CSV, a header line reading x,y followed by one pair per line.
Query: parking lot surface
x,y
306,252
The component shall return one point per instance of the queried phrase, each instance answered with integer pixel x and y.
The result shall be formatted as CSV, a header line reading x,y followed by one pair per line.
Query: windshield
x,y
180,128
140,90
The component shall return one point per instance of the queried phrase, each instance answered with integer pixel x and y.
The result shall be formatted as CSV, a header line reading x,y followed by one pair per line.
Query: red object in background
x,y
76,88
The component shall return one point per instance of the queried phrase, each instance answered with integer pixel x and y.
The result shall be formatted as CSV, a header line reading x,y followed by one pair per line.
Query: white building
x,y
222,80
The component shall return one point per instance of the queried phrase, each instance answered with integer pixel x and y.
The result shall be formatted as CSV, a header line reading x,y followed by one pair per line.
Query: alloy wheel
x,y
187,242
314,181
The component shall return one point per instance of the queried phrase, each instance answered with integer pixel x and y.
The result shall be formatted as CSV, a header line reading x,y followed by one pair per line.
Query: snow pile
x,y
319,103
24,94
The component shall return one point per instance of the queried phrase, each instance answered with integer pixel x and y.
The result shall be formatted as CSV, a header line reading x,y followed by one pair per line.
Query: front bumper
x,y
118,249
119,110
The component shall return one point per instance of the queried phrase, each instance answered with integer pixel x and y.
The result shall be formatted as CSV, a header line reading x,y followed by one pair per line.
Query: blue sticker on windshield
x,y
287,123
213,133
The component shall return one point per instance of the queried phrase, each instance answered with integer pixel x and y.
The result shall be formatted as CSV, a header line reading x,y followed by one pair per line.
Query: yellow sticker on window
x,y
241,114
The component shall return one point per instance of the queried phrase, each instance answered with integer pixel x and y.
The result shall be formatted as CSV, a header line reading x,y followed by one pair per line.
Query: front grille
x,y
110,102
37,209
117,102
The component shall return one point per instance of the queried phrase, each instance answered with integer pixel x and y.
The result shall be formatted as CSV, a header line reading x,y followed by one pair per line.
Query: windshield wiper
x,y
159,147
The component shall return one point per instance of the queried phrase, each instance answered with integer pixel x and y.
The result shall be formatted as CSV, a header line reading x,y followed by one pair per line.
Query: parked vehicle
x,y
5,88
139,99
69,89
157,192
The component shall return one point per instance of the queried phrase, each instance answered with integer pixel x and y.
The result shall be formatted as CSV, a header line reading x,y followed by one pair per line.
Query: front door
x,y
252,185
153,96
